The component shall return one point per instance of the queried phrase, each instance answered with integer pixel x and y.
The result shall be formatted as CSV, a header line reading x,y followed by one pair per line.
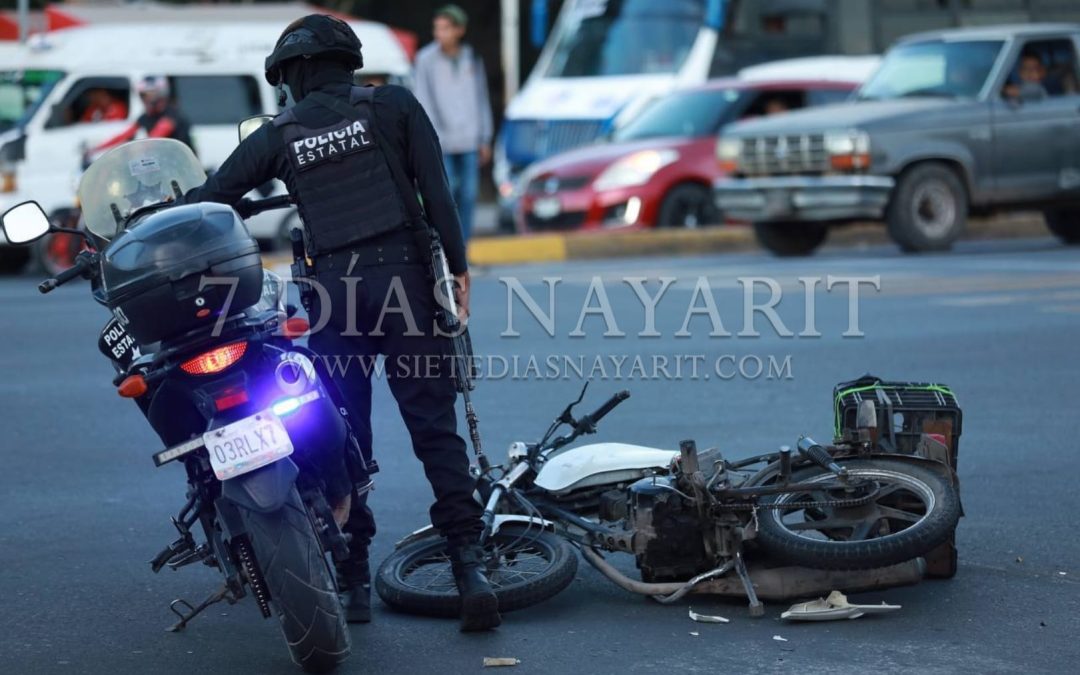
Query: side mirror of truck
x,y
252,124
25,223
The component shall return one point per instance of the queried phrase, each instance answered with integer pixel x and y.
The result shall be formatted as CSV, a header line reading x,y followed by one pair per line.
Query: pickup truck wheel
x,y
791,239
1065,224
929,208
689,206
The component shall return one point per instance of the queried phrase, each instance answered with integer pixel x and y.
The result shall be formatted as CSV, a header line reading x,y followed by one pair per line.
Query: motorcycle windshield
x,y
134,175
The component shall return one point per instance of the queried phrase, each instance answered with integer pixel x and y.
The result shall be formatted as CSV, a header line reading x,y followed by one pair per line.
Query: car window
x,y
91,100
686,114
774,102
22,92
952,69
1049,66
827,96
216,99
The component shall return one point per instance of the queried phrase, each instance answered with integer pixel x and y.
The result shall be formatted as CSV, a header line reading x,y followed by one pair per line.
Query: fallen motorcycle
x,y
201,341
853,516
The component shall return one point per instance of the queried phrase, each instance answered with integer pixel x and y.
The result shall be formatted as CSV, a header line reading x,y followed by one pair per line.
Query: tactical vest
x,y
345,191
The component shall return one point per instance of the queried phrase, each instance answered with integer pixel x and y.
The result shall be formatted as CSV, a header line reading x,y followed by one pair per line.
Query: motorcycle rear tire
x,y
302,588
935,527
395,591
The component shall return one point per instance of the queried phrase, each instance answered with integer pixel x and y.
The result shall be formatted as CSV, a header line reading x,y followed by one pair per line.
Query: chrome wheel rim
x,y
934,208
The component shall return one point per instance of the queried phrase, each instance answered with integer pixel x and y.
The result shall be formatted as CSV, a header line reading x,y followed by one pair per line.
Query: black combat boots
x,y
354,583
479,606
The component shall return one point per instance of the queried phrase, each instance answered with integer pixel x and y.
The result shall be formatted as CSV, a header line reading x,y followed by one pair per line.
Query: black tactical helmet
x,y
315,35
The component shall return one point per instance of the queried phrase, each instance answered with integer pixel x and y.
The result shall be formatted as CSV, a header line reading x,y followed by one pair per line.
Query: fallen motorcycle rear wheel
x,y
525,567
914,509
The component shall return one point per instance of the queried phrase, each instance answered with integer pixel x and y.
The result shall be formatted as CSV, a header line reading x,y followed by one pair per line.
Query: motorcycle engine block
x,y
669,536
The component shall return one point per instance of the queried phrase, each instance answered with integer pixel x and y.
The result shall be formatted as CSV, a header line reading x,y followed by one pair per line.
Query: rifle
x,y
461,352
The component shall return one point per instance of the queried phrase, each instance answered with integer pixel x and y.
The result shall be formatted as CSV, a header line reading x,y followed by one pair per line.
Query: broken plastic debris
x,y
1062,573
498,662
706,618
779,639
833,608
695,633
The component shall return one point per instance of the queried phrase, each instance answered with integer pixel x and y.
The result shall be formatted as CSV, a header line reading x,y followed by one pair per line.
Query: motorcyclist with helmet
x,y
364,166
160,119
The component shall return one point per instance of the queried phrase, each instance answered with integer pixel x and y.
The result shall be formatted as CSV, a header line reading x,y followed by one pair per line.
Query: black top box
x,y
175,270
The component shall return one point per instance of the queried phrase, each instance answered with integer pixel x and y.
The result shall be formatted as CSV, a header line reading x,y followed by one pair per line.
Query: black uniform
x,y
364,250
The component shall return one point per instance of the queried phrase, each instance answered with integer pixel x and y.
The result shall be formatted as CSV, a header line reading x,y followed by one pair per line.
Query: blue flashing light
x,y
286,406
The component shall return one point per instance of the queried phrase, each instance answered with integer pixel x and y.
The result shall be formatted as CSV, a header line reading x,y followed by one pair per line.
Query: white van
x,y
216,73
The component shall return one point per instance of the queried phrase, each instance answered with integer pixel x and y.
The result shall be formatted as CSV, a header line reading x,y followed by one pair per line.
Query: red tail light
x,y
215,360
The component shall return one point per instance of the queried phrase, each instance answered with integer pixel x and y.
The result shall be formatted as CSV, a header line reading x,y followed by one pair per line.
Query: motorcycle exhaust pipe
x,y
777,583
784,583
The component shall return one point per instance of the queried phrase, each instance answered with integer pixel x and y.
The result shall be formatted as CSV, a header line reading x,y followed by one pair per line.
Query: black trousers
x,y
389,309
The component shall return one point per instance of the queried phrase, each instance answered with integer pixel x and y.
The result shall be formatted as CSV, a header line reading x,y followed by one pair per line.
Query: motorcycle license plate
x,y
251,443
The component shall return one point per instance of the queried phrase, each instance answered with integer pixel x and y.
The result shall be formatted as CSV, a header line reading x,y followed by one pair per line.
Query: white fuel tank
x,y
601,463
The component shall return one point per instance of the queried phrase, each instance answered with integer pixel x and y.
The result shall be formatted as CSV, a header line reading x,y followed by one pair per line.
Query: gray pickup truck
x,y
956,121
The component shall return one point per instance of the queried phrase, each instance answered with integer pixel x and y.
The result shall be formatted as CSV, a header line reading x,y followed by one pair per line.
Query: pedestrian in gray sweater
x,y
451,84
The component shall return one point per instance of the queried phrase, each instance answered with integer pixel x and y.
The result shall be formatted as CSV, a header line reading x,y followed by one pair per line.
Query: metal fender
x,y
264,490
500,520
944,469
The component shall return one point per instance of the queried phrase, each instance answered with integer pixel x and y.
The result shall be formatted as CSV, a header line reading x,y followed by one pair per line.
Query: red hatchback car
x,y
657,170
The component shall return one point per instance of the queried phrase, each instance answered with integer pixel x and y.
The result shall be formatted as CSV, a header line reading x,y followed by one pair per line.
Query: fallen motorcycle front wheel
x,y
909,510
525,566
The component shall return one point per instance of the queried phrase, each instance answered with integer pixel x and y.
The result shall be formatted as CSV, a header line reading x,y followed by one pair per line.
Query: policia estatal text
x,y
354,160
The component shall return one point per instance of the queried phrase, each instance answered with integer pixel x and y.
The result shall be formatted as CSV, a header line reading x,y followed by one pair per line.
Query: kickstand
x,y
217,596
756,608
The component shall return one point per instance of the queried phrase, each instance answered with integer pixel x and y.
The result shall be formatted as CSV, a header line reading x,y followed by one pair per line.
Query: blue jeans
x,y
463,174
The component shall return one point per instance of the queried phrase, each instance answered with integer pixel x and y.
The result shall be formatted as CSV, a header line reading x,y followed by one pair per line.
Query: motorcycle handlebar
x,y
250,207
587,424
73,272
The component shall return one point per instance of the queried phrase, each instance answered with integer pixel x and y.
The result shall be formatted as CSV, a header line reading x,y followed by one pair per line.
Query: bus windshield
x,y
625,37
21,93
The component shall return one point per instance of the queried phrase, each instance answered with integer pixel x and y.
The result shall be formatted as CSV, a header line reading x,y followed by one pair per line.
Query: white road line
x,y
979,301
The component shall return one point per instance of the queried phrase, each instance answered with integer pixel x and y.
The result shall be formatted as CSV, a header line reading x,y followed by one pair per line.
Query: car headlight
x,y
635,169
848,150
727,152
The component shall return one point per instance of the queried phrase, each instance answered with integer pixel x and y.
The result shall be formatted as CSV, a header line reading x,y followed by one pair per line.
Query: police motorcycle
x,y
201,341
877,508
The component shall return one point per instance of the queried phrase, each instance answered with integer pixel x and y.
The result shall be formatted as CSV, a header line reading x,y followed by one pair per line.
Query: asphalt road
x,y
83,508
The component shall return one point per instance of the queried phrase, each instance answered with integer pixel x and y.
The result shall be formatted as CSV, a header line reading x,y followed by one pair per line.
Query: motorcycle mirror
x,y
567,416
252,124
25,223
866,418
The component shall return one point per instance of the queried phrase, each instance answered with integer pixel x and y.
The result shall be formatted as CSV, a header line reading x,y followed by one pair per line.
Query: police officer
x,y
354,159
